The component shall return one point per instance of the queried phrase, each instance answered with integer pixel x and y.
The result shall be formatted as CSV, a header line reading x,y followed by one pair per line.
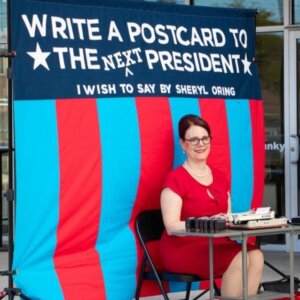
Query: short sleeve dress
x,y
190,254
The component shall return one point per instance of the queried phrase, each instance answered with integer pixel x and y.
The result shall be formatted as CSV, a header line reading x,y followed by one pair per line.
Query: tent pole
x,y
10,291
10,197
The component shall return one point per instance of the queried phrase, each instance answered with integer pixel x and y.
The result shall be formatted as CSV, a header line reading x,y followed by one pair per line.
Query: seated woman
x,y
195,189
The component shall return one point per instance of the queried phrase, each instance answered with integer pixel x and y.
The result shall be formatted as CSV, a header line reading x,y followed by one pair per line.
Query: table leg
x,y
211,268
244,268
292,285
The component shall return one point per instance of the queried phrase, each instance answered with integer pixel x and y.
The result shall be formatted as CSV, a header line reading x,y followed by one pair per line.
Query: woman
x,y
195,189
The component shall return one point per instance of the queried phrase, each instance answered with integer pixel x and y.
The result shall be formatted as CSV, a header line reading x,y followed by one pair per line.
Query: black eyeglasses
x,y
195,141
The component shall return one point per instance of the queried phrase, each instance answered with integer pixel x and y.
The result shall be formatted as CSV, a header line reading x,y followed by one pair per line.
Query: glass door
x,y
292,133
269,57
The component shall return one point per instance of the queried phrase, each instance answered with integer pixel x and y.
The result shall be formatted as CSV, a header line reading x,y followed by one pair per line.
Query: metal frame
x,y
10,291
243,235
292,205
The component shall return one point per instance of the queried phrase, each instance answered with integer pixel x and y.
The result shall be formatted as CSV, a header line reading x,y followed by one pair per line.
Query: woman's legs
x,y
255,270
232,281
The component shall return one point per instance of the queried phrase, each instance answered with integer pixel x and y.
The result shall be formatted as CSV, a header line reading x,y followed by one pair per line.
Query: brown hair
x,y
189,120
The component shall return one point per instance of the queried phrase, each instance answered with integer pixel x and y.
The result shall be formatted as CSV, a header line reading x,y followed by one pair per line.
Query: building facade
x,y
278,57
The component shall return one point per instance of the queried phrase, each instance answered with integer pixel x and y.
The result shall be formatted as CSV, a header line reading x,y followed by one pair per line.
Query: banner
x,y
99,88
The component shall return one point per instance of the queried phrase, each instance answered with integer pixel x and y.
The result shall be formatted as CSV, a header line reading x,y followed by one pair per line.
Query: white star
x,y
39,57
246,64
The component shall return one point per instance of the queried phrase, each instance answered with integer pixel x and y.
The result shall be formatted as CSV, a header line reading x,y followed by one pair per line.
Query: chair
x,y
149,227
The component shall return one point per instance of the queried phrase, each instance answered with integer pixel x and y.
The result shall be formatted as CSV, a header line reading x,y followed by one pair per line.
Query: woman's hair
x,y
189,120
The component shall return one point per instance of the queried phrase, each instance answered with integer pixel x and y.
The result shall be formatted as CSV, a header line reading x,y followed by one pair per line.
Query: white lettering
x,y
86,57
114,32
191,62
35,24
213,37
274,146
223,90
96,89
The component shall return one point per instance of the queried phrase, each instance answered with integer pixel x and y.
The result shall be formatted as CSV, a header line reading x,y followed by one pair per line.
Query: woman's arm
x,y
229,204
171,205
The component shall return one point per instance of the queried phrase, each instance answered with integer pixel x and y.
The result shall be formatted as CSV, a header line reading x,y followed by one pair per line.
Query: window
x,y
3,22
296,15
270,12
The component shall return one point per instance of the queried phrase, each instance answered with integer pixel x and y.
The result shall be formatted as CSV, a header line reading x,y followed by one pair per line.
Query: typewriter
x,y
262,217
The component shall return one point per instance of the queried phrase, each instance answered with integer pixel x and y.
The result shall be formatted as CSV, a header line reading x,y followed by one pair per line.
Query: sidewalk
x,y
279,259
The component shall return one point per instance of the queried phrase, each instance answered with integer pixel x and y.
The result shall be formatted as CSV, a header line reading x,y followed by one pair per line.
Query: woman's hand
x,y
222,216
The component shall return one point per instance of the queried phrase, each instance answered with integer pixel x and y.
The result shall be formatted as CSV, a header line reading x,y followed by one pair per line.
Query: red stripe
x,y
214,112
258,141
157,152
204,285
76,259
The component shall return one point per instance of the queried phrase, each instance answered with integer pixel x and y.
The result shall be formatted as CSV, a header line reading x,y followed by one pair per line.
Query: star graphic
x,y
246,64
39,57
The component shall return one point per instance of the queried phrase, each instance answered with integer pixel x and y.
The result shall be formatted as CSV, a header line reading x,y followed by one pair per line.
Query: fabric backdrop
x,y
99,87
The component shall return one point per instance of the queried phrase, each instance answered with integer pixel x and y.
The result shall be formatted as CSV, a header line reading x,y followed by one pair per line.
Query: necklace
x,y
195,173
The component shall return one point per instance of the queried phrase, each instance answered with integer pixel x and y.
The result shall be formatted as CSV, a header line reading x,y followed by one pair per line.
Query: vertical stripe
x,y
37,173
240,132
214,112
175,287
156,138
258,140
180,107
76,259
121,167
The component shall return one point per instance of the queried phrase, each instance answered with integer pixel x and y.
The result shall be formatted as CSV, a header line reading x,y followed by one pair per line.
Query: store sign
x,y
275,146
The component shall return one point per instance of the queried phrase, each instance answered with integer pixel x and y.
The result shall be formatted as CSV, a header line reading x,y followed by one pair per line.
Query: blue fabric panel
x,y
121,165
240,135
81,79
181,286
37,195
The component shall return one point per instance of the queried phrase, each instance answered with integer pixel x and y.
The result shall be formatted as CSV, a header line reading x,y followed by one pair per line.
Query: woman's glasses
x,y
194,141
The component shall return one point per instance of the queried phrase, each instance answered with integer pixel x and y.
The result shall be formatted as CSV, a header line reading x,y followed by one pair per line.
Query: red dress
x,y
190,254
